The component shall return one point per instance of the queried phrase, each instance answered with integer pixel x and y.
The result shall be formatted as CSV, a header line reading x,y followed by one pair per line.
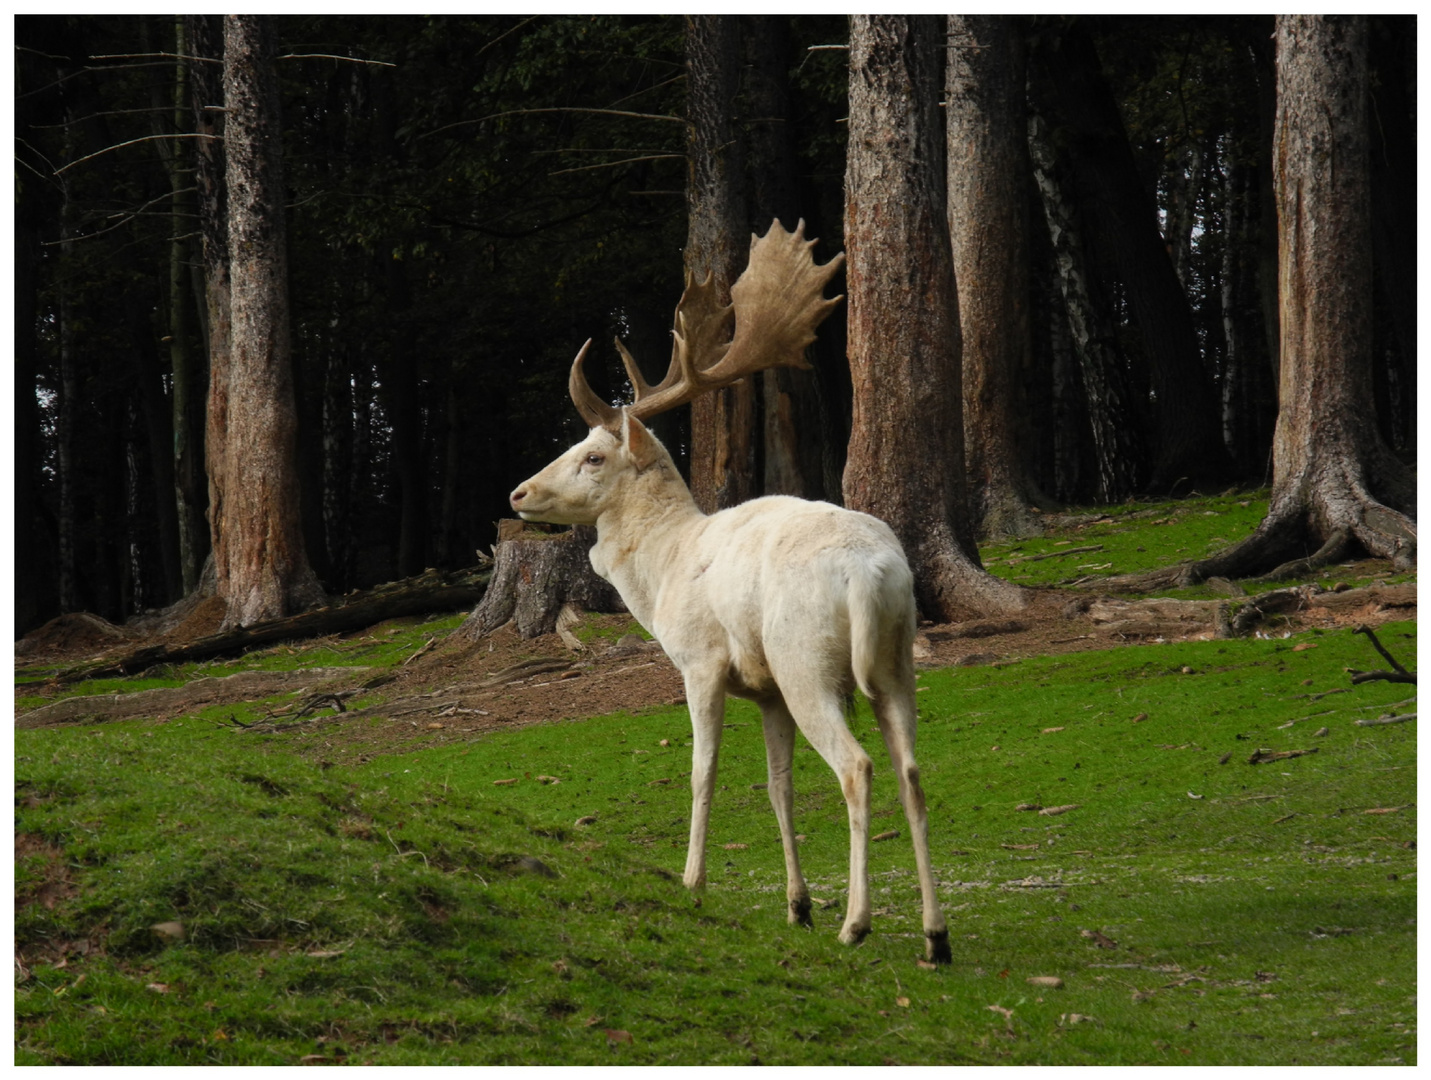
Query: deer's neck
x,y
640,536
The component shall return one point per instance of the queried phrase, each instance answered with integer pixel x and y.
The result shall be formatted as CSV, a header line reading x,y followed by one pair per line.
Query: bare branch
x,y
647,90
331,56
131,142
127,218
504,35
613,164
158,56
108,112
526,112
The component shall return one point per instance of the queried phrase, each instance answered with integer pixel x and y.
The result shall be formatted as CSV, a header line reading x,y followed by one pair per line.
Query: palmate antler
x,y
777,303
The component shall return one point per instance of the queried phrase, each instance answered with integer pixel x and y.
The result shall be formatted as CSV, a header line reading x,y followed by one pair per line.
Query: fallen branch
x,y
1380,720
1056,554
1399,675
1261,756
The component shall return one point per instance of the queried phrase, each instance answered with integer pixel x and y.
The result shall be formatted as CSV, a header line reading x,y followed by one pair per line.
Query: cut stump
x,y
536,572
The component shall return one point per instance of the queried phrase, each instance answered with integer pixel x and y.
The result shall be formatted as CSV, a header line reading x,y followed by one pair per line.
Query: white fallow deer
x,y
786,602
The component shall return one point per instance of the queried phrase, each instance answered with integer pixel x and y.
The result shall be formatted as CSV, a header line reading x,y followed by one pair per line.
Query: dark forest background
x,y
469,199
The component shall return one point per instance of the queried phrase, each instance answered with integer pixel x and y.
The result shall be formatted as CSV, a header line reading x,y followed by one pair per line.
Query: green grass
x,y
383,912
1135,537
385,645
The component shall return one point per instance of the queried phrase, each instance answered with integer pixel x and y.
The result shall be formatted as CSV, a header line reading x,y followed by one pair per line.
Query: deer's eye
x,y
594,459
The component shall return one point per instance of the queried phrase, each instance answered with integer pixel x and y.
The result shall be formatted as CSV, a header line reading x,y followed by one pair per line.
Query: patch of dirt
x,y
458,690
76,634
47,875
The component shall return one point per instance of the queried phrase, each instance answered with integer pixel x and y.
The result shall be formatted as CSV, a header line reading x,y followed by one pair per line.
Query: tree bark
x,y
988,166
536,573
1117,450
206,96
1074,91
187,368
1333,480
723,423
263,571
906,457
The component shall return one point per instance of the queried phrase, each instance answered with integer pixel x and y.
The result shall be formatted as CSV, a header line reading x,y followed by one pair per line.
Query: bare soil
x,y
459,689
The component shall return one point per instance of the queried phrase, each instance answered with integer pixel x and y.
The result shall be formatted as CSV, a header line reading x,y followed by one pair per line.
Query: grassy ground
x,y
1134,537
415,910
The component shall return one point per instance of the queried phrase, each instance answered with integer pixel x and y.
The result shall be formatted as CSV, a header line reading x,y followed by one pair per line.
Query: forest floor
x,y
448,690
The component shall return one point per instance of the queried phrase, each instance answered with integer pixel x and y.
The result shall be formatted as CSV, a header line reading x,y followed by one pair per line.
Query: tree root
x,y
1379,530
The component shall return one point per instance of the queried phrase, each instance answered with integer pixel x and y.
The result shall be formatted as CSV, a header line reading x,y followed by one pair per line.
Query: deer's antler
x,y
777,302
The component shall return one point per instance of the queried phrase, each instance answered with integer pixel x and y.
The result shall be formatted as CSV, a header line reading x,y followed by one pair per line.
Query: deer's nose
x,y
517,496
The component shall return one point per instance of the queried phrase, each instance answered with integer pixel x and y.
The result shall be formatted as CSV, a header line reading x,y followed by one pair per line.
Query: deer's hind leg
x,y
779,756
819,713
894,709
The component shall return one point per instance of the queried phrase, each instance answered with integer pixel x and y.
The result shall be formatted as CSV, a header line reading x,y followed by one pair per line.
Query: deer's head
x,y
776,304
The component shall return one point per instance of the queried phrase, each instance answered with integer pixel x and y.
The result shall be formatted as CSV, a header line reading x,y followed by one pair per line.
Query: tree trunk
x,y
29,578
536,573
187,368
906,457
263,571
1124,221
1117,449
722,423
1393,190
1333,480
988,225
792,434
206,95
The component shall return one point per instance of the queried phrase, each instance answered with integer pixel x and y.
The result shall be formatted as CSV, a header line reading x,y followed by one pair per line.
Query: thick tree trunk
x,y
263,571
1073,89
906,458
535,575
988,225
723,423
1334,483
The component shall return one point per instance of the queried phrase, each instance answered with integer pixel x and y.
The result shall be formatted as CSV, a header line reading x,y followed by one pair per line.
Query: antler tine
x,y
778,301
595,411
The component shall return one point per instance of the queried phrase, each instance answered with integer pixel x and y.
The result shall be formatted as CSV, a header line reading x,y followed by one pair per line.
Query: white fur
x,y
787,602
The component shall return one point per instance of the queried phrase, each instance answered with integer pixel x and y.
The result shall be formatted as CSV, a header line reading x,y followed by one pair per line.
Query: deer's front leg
x,y
705,695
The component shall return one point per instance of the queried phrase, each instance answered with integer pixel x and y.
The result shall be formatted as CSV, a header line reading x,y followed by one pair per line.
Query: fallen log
x,y
433,591
171,700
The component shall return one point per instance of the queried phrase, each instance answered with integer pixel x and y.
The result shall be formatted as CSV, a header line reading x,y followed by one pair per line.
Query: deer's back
x,y
779,574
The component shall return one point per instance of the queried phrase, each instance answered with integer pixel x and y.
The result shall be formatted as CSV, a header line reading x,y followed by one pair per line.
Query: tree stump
x,y
537,571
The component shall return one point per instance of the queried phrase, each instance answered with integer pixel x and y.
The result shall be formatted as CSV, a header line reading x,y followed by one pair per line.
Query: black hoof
x,y
800,910
937,947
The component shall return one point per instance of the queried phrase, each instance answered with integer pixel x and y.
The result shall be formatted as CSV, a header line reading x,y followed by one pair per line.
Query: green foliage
x,y
391,911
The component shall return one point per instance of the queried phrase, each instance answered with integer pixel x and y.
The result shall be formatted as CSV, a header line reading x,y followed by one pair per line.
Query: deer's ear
x,y
640,443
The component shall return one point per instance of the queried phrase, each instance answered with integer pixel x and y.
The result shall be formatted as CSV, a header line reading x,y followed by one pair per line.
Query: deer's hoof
x,y
853,935
936,947
799,914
